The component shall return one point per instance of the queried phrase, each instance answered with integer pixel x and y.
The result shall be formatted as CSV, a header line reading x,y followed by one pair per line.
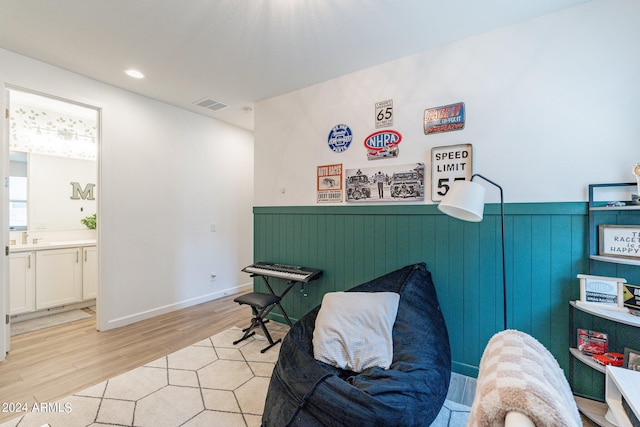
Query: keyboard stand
x,y
261,305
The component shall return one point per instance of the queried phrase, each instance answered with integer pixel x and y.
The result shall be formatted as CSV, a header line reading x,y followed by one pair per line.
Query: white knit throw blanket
x,y
517,373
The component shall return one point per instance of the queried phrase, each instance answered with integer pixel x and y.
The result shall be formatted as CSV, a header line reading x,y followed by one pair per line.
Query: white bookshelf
x,y
622,383
614,315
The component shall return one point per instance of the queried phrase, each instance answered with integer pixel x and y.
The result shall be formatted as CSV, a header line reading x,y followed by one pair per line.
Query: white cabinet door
x,y
22,283
89,272
58,277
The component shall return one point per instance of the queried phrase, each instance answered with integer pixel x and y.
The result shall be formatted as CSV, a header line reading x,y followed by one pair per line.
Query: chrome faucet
x,y
24,237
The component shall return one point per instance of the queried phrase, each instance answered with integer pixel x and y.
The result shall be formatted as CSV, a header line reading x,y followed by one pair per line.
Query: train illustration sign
x,y
382,144
395,183
444,119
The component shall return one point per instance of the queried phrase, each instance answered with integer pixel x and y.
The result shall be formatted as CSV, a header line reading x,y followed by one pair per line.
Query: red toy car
x,y
614,359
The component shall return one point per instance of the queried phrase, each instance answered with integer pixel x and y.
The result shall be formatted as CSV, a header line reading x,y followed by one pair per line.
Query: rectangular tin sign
x,y
444,119
448,164
330,183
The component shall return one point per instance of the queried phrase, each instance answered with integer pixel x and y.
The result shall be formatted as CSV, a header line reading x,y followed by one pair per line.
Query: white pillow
x,y
353,329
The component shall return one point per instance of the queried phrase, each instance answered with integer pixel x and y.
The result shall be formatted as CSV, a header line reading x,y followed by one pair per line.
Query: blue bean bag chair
x,y
306,392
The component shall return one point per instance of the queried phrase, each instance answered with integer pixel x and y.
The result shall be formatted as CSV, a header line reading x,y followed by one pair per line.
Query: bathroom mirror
x,y
52,163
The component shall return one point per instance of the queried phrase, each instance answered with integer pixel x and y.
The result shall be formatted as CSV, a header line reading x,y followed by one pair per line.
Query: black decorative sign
x,y
631,296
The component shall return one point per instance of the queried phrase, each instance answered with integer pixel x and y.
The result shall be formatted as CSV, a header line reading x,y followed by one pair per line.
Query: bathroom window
x,y
17,203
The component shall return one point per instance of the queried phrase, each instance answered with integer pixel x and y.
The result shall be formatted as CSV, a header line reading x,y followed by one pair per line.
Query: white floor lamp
x,y
465,201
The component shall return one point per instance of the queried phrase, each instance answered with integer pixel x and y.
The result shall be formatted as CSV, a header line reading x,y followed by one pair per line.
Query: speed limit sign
x,y
384,113
448,164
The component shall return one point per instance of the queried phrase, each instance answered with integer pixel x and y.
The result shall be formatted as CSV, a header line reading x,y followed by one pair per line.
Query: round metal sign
x,y
340,138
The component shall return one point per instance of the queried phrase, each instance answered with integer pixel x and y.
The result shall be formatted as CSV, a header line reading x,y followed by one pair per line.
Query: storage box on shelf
x,y
586,376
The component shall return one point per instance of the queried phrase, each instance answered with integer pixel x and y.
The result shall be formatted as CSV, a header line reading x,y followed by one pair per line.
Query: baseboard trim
x,y
465,369
16,318
147,314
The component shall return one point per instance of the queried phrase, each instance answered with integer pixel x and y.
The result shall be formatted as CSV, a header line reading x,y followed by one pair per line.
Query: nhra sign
x,y
382,144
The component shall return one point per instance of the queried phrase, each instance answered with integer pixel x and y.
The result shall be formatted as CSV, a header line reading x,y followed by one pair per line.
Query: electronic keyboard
x,y
283,271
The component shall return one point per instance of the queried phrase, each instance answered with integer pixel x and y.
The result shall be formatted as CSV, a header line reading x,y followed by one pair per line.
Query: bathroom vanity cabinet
x,y
58,277
89,272
22,282
52,275
586,377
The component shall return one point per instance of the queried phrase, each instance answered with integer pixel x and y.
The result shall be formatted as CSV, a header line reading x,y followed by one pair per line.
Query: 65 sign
x,y
448,164
384,114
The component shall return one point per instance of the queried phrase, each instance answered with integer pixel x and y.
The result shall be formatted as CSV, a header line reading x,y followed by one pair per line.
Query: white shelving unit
x,y
604,213
616,316
598,412
595,411
614,260
587,360
622,383
618,208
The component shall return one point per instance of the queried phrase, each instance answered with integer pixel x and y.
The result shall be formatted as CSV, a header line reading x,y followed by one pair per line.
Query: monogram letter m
x,y
78,193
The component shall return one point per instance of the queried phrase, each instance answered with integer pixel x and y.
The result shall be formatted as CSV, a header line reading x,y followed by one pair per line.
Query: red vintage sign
x,y
444,119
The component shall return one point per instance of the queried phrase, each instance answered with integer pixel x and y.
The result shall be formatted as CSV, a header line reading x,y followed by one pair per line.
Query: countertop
x,y
51,245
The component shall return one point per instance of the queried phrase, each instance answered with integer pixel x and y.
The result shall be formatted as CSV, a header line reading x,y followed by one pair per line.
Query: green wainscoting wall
x,y
546,247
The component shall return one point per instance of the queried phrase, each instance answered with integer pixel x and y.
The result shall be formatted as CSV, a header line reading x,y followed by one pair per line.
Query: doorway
x,y
52,204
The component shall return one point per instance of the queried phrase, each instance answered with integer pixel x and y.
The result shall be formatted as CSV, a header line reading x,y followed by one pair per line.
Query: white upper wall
x,y
165,174
551,106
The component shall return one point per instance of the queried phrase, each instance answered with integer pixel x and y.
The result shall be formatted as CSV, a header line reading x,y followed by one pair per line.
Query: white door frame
x,y
5,331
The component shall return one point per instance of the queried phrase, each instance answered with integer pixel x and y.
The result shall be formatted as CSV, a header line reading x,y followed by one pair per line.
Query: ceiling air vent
x,y
211,104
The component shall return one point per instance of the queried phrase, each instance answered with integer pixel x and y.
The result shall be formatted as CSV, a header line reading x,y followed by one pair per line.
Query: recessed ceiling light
x,y
134,73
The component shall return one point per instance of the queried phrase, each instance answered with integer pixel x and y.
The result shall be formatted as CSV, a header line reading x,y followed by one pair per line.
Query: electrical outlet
x,y
213,227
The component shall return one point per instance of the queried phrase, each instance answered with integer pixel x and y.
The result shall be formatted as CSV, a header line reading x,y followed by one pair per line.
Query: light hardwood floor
x,y
47,365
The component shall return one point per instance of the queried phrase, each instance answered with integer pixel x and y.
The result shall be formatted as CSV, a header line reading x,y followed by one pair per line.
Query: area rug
x,y
44,322
212,383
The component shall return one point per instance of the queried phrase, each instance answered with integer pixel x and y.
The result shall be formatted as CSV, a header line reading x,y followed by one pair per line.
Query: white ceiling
x,y
239,52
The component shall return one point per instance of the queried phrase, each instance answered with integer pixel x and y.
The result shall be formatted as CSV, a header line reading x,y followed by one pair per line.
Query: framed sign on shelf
x,y
602,292
631,359
631,297
621,241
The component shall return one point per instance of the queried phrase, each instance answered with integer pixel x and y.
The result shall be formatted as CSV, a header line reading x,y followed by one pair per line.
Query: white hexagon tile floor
x,y
211,383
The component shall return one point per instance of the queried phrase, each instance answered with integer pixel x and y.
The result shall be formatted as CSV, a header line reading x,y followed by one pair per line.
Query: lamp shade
x,y
465,201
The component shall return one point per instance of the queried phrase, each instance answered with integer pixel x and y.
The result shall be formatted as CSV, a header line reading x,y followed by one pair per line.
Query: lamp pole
x,y
504,268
